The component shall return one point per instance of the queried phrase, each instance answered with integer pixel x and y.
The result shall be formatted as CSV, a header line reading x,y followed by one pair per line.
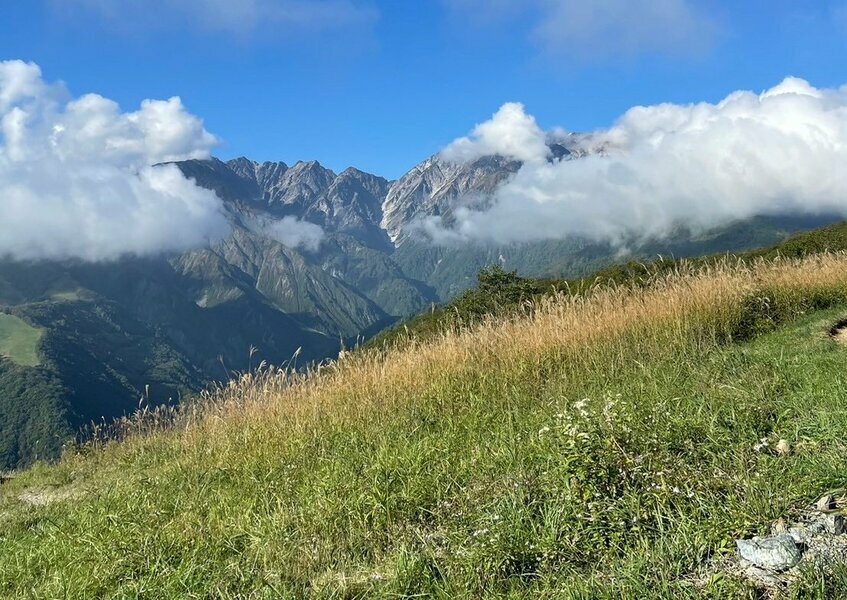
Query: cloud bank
x,y
233,16
76,180
605,29
663,167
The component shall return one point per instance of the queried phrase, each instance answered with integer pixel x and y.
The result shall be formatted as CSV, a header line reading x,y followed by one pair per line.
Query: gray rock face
x,y
773,563
350,202
776,553
433,187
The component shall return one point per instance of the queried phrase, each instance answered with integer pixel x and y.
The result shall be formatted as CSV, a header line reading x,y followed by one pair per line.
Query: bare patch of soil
x,y
839,332
43,497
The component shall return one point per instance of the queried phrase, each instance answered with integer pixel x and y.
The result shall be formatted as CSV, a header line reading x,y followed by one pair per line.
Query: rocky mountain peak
x,y
436,185
367,205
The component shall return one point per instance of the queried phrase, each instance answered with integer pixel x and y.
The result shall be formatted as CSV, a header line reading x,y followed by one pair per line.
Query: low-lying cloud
x,y
76,179
698,166
294,233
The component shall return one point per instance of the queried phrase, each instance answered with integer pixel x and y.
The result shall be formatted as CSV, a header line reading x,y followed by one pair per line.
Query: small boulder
x,y
776,553
834,524
826,503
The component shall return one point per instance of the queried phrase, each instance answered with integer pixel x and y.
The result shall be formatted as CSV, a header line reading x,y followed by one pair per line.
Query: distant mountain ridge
x,y
161,328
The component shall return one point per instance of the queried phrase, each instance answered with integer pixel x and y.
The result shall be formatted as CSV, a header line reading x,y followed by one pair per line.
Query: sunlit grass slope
x,y
501,293
600,446
19,341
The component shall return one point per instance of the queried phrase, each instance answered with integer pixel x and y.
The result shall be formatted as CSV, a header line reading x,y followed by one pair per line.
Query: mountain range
x,y
83,342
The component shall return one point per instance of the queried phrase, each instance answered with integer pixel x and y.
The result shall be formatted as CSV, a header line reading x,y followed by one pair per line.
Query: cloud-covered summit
x,y
76,179
663,167
510,133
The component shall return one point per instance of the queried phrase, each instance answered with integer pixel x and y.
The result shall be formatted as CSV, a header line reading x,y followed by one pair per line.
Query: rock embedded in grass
x,y
834,524
776,553
826,503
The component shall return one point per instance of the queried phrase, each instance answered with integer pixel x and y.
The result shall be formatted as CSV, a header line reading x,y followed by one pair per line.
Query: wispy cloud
x,y
667,166
585,32
241,17
839,16
293,232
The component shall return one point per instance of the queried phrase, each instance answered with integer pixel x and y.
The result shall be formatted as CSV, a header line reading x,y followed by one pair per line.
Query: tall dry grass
x,y
687,311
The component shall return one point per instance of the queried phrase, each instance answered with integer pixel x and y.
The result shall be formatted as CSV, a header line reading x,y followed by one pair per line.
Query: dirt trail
x,y
839,332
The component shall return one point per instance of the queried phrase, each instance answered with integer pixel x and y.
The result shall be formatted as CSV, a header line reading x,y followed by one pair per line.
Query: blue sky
x,y
380,85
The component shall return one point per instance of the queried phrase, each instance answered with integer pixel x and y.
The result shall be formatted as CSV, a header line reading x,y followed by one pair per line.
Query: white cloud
x,y
232,16
76,180
605,29
510,133
700,166
294,233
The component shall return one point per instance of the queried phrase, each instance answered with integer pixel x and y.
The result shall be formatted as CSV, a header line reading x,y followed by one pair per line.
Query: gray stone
x,y
762,577
775,553
800,534
803,533
834,524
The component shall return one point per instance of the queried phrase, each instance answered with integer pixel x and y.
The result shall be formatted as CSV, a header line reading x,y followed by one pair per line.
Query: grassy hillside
x,y
599,445
19,341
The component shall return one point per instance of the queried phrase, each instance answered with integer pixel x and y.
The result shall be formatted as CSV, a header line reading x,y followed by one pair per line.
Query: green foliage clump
x,y
497,290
